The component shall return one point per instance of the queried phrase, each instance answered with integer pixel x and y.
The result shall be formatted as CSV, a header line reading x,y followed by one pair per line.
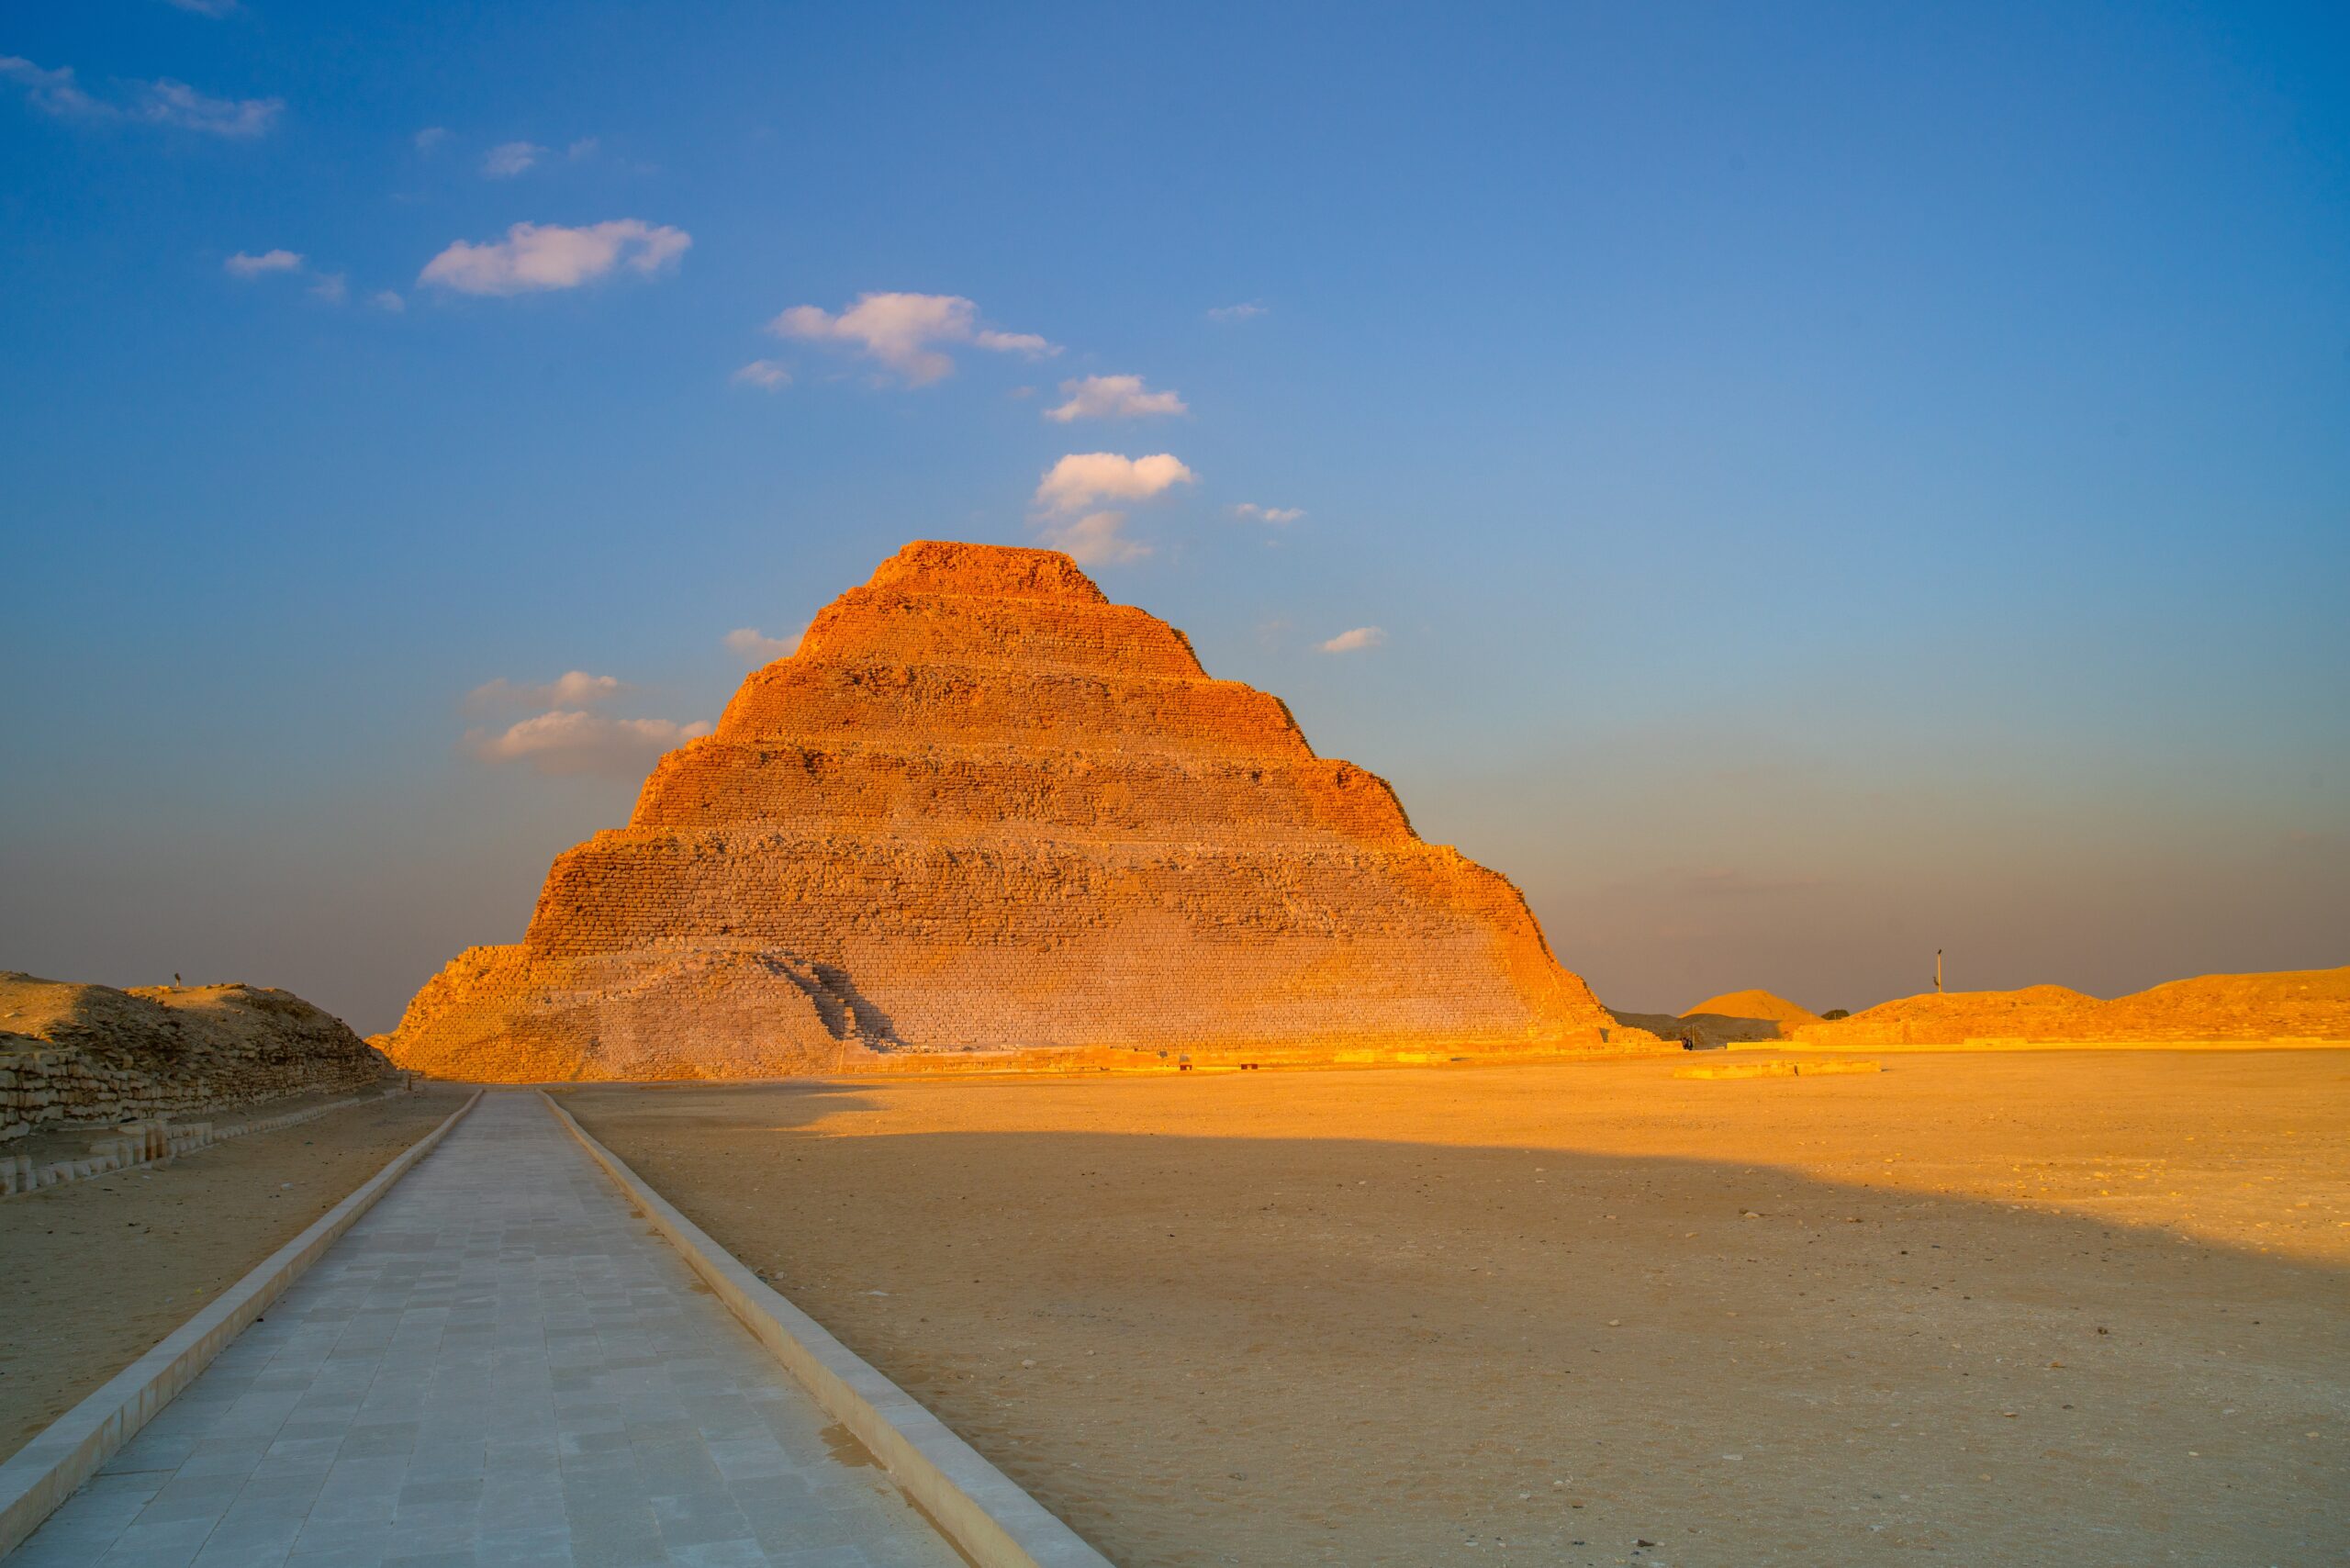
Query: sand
x,y
2066,1307
94,1273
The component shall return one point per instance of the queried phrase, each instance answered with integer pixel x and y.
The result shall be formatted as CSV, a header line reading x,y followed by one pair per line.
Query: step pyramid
x,y
980,811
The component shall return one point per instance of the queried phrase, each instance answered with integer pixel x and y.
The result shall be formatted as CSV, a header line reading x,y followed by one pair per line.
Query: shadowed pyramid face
x,y
983,809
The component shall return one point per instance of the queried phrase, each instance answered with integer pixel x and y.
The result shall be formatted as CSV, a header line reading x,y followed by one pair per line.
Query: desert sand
x,y
99,1271
2064,1307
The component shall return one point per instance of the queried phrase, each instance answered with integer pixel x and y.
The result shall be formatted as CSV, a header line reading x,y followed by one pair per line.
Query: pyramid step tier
x,y
990,791
819,702
885,625
822,893
1126,942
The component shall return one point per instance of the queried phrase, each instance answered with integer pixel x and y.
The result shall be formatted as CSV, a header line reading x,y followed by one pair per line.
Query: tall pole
x,y
1938,971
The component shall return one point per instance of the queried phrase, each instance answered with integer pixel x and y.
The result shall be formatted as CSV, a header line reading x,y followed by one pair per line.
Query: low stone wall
x,y
144,1143
44,1089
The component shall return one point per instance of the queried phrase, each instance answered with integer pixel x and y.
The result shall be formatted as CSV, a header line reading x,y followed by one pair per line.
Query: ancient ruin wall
x,y
983,810
83,1055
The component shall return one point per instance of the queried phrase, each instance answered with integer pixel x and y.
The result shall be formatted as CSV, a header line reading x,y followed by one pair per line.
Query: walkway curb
x,y
978,1507
50,1468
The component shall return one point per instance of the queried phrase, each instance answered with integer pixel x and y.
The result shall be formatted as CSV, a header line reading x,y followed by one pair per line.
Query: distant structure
x,y
1744,1015
2282,1007
983,810
1938,971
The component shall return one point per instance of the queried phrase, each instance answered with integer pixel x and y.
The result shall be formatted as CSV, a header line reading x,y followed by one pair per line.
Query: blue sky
x,y
1828,482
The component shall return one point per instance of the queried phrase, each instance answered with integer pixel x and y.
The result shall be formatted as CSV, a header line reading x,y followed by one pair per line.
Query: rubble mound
x,y
2294,1004
983,811
1743,1016
86,1054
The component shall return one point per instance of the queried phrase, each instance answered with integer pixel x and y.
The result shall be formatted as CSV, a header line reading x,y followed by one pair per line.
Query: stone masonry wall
x,y
91,1055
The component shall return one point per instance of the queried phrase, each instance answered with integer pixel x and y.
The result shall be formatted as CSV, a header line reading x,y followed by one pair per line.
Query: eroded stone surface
x,y
984,810
75,1055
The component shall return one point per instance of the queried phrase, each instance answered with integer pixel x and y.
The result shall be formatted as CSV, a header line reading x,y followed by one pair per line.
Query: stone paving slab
x,y
498,1365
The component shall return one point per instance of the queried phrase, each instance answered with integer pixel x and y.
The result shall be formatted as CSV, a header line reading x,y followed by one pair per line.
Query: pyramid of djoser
x,y
984,811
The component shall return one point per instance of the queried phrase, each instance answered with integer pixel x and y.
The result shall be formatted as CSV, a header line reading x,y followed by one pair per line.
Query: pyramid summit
x,y
984,810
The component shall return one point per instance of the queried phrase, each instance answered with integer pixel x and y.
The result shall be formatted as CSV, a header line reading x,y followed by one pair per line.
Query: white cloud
x,y
1095,540
1114,397
903,332
158,103
1267,514
509,158
333,288
766,374
175,103
1027,343
758,647
573,741
584,148
1082,478
1237,312
548,255
248,267
387,299
1355,641
571,688
431,137
214,8
52,92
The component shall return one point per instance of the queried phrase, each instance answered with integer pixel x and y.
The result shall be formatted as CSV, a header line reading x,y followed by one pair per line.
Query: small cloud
x,y
52,92
766,374
573,688
333,288
904,331
1027,343
177,104
509,158
214,8
431,137
1238,312
760,648
1095,540
1362,637
157,103
387,299
574,741
1276,515
1114,397
1082,478
548,255
250,267
584,148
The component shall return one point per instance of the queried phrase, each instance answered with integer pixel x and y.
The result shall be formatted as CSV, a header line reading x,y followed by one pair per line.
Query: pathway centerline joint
x,y
498,1364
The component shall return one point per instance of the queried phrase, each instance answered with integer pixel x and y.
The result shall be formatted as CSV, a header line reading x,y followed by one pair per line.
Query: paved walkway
x,y
498,1365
